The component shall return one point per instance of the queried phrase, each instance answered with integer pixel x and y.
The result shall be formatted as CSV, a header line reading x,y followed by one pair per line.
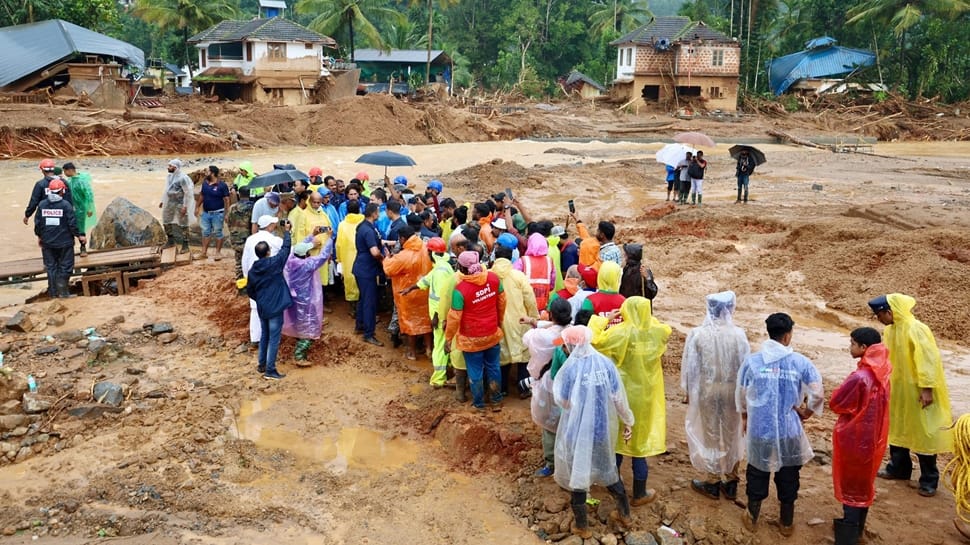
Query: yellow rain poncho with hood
x,y
347,253
636,345
520,302
243,181
556,258
916,364
310,219
439,283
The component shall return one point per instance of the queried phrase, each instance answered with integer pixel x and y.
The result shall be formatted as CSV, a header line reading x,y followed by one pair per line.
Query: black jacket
x,y
55,224
39,193
266,284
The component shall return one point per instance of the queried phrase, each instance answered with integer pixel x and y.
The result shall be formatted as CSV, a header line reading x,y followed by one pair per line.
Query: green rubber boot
x,y
700,200
302,347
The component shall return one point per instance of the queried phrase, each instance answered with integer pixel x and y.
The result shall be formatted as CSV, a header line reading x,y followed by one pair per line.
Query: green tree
x,y
347,17
185,17
96,15
905,14
618,16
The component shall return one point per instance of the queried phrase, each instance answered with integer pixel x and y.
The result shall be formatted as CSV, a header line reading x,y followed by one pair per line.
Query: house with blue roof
x,y
678,64
820,67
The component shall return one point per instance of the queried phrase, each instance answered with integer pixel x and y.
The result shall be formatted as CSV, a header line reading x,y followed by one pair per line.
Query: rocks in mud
x,y
160,328
554,504
70,336
608,539
124,224
92,410
166,338
10,422
44,350
34,403
109,393
56,320
572,540
12,386
640,538
21,322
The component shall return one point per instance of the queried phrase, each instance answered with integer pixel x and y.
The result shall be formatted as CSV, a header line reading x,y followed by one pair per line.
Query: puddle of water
x,y
358,448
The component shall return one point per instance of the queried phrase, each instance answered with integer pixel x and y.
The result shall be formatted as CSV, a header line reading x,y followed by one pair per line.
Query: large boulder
x,y
123,224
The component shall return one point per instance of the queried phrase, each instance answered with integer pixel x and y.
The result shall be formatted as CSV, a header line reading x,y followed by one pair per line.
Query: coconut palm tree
x,y
618,16
443,4
905,14
334,17
185,17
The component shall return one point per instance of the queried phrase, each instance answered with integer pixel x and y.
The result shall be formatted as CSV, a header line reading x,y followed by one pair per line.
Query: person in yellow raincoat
x,y
436,282
314,216
636,345
919,402
520,305
347,253
405,269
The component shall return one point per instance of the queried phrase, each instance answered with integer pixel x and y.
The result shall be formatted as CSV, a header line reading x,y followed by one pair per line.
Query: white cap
x,y
500,224
265,220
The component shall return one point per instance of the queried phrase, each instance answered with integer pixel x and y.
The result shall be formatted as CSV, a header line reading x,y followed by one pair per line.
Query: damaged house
x,y
677,62
66,60
272,61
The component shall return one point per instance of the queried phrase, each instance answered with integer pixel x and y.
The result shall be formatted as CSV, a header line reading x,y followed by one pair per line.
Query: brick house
x,y
677,62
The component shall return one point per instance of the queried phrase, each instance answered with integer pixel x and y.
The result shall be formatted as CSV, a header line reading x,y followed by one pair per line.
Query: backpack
x,y
695,171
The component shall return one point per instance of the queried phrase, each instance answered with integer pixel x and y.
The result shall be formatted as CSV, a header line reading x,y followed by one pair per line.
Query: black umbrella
x,y
386,159
756,154
278,176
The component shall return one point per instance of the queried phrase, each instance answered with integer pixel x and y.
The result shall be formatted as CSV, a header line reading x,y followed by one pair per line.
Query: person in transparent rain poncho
x,y
778,388
713,354
592,397
304,320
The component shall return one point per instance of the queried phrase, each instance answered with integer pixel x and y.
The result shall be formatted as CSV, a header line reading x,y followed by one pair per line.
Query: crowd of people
x,y
504,302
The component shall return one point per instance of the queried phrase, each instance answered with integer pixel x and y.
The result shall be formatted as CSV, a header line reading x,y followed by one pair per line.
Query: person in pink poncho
x,y
304,319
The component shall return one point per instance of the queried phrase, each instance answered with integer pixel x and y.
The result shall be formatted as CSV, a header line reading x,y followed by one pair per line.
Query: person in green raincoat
x,y
79,184
919,402
437,281
636,345
245,176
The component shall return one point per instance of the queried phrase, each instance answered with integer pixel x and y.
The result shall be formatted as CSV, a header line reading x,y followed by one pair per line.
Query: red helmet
x,y
47,164
437,244
362,176
56,186
316,171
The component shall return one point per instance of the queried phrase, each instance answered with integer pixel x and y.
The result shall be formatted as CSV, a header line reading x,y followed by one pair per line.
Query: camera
x,y
525,384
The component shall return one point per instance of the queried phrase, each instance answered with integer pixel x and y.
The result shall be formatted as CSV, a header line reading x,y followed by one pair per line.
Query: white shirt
x,y
249,250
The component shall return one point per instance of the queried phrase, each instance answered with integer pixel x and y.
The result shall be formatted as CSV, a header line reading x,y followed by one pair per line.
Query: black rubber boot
x,y
63,288
461,383
750,517
862,524
845,533
169,236
642,496
580,527
183,233
709,490
730,489
621,516
739,196
786,520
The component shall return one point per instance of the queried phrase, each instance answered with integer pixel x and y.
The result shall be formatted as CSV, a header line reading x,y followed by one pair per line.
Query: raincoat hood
x,y
248,166
720,308
876,358
538,245
634,252
589,253
902,306
354,219
636,311
774,351
502,268
553,241
414,243
609,277
478,278
442,260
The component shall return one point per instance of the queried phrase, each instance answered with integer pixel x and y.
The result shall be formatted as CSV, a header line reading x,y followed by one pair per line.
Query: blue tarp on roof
x,y
25,49
821,58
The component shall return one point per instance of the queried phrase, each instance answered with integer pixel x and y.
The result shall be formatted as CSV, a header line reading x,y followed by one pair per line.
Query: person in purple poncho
x,y
304,320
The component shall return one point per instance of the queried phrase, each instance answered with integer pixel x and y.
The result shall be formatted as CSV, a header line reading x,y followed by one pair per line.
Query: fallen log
x,y
795,140
157,116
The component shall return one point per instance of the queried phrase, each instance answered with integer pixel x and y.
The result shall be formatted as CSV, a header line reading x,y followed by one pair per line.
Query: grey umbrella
x,y
386,159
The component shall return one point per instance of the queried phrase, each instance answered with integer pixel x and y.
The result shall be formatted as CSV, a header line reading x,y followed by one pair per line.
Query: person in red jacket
x,y
475,318
861,433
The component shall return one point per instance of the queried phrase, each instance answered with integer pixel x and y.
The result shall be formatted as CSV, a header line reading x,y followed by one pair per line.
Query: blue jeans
x,y
367,304
269,341
211,223
477,362
743,184
640,468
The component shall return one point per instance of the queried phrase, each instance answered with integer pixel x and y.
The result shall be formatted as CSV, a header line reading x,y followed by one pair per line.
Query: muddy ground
x,y
358,449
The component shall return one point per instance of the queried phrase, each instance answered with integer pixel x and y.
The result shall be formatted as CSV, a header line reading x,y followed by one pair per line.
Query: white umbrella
x,y
671,154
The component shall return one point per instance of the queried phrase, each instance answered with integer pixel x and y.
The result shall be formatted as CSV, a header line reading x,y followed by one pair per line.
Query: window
x,y
276,51
718,58
714,92
629,56
227,51
308,46
249,51
202,58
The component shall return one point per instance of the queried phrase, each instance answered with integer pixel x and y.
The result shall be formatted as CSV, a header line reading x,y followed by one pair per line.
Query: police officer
x,y
56,228
47,167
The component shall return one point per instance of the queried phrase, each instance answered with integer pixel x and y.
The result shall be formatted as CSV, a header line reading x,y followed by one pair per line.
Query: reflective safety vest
x,y
537,269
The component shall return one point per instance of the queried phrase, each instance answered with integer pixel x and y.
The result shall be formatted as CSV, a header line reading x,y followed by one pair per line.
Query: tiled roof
x,y
672,29
273,29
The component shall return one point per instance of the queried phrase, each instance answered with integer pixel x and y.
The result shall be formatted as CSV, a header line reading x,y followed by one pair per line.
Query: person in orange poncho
x,y
860,435
405,269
